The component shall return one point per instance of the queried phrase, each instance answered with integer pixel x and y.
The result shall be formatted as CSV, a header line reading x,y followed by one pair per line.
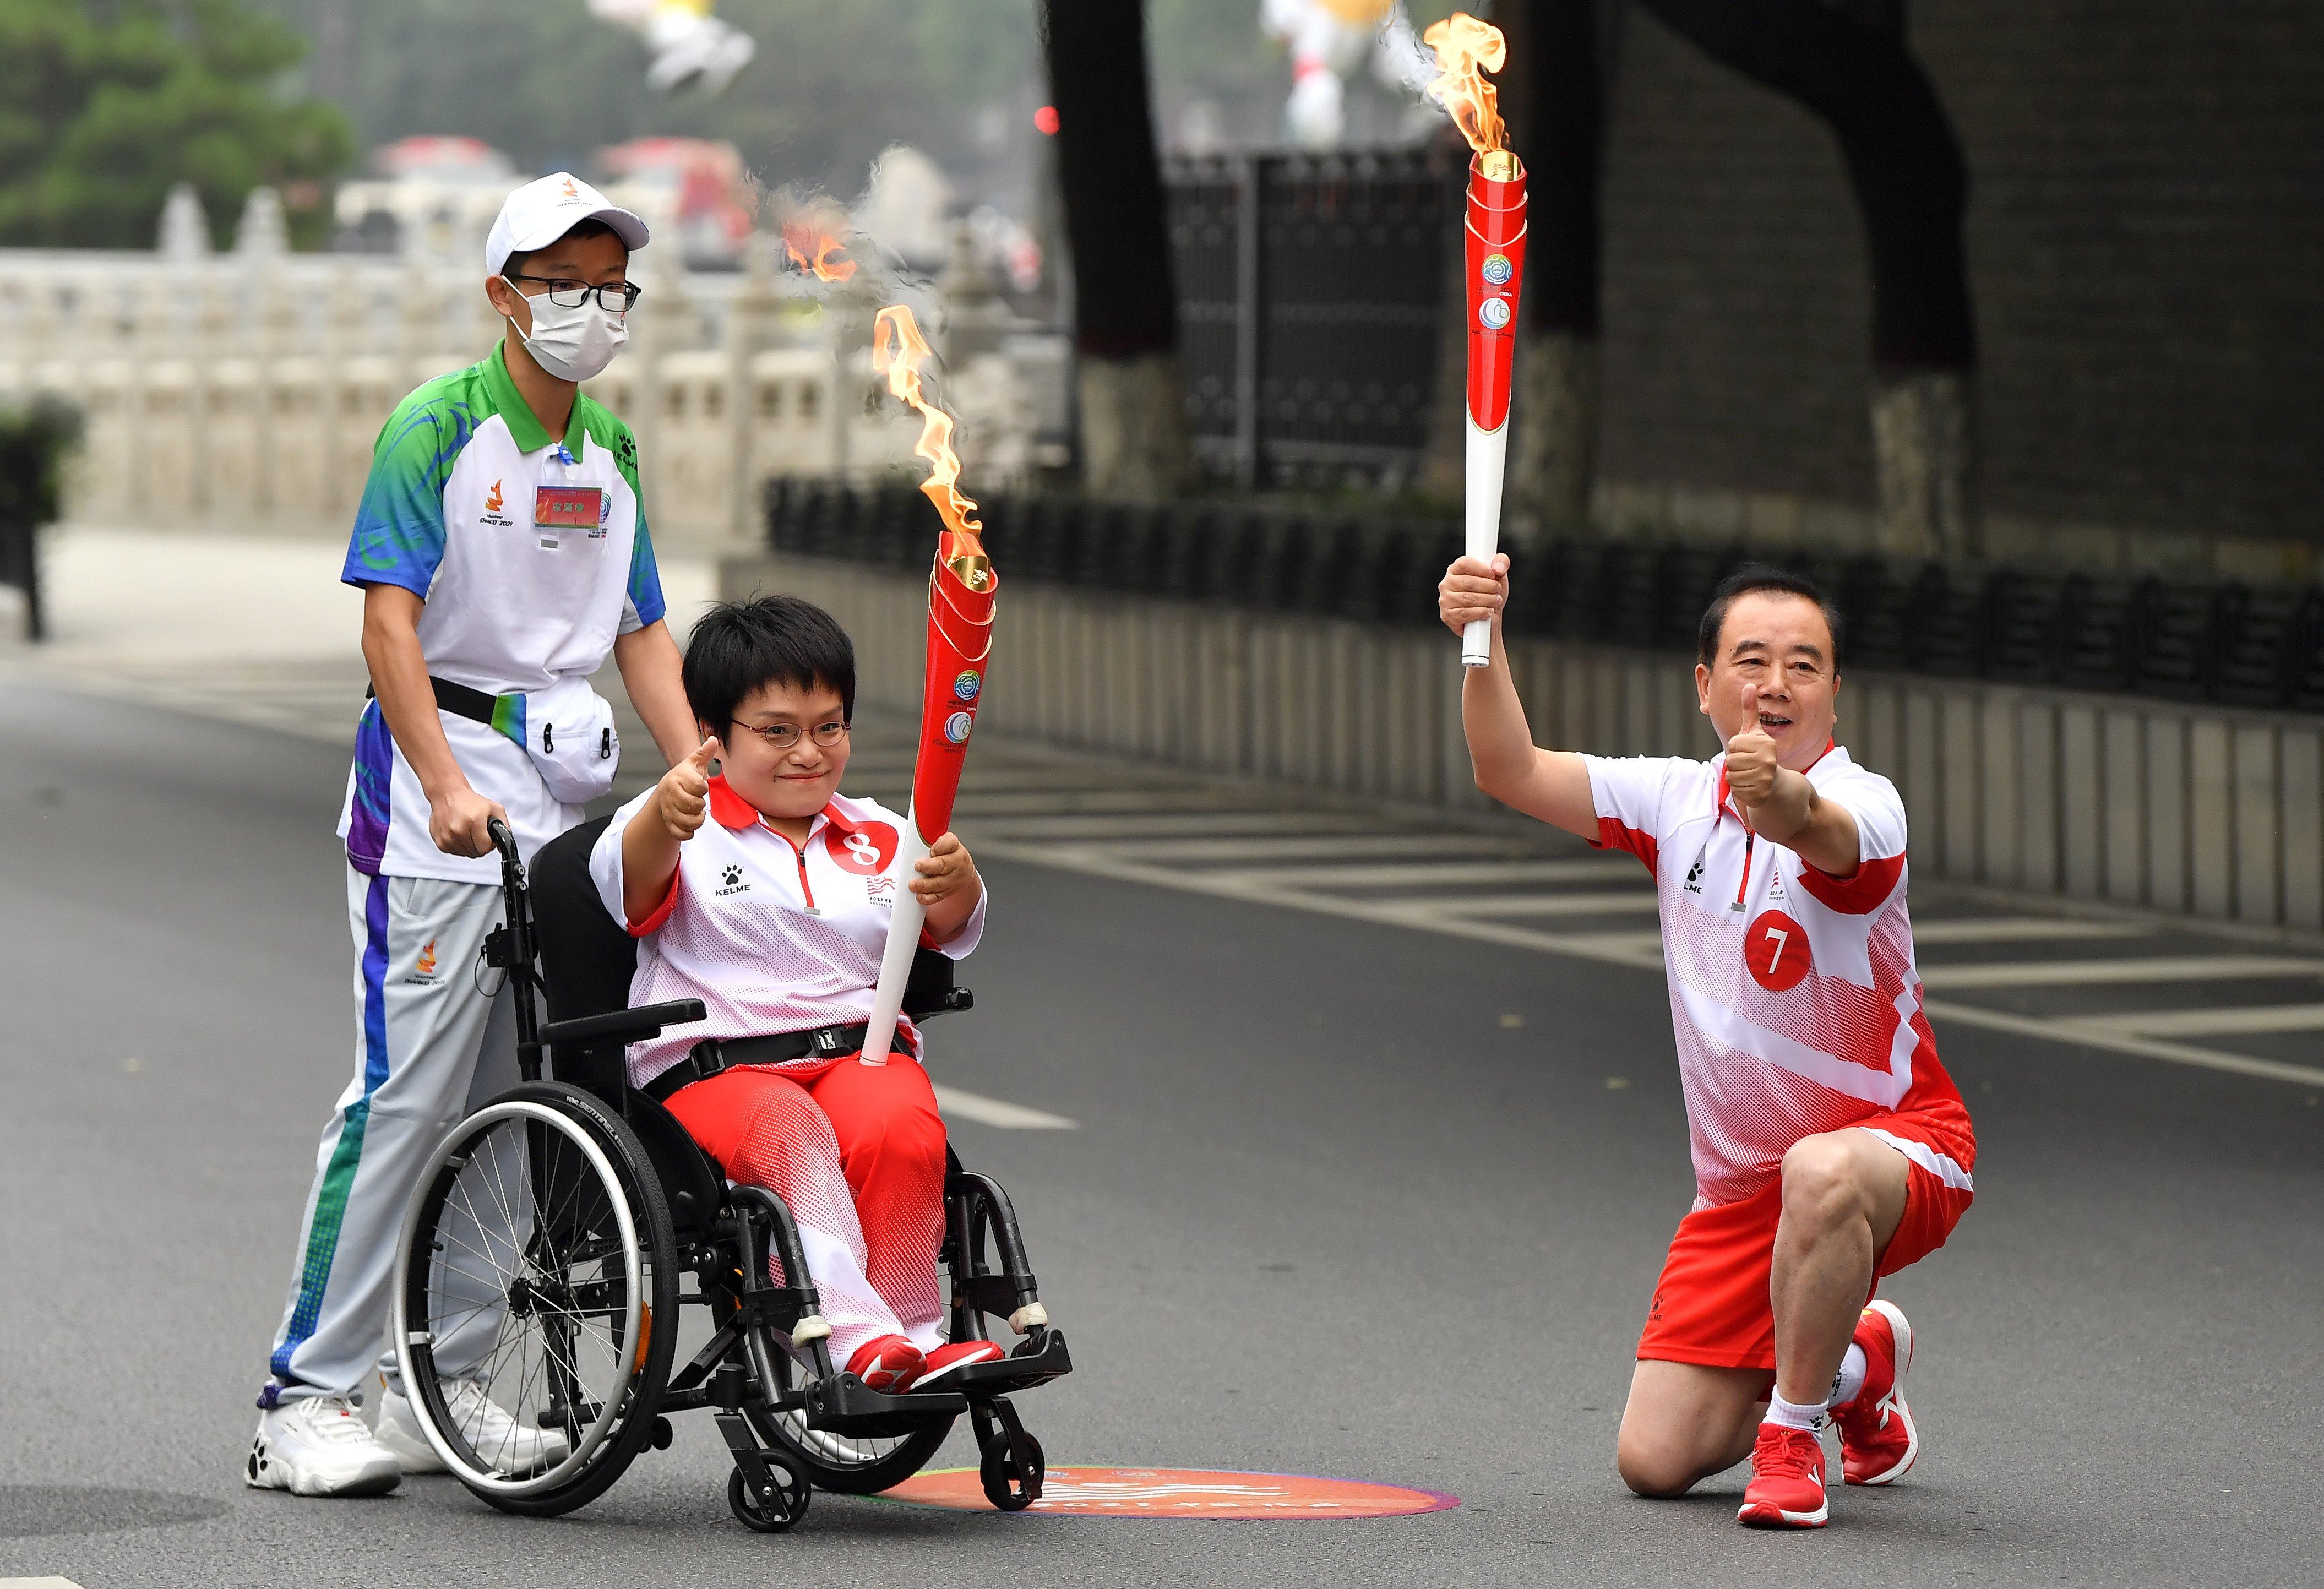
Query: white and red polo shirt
x,y
771,935
1793,996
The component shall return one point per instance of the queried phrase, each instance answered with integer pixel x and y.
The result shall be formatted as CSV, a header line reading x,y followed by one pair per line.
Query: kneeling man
x,y
1831,1147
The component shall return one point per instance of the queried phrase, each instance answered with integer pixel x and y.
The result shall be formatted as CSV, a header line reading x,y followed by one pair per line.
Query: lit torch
x,y
817,253
1493,267
961,591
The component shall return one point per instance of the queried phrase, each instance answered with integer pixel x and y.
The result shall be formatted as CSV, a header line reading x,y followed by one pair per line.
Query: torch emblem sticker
x,y
1493,313
957,725
964,688
1497,270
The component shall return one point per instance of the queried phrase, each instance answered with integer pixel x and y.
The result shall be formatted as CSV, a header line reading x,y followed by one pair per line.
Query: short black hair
x,y
1743,581
741,647
589,226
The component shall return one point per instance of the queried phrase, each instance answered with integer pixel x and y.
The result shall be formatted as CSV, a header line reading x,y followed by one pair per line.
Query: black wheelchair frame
x,y
614,1204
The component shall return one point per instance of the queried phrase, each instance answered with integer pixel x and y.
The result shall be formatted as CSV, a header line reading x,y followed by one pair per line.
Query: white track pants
x,y
429,1046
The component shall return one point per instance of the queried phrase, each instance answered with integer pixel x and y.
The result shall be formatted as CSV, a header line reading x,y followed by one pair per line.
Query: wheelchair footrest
x,y
1040,1358
844,1405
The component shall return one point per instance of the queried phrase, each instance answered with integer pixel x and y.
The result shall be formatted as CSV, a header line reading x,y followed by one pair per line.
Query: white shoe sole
x,y
1752,1516
263,1470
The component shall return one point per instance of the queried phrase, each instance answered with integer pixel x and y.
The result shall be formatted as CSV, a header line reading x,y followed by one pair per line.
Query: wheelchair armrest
x,y
951,1002
630,1026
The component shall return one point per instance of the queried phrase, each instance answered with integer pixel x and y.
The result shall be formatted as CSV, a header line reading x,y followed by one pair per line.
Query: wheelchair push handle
x,y
504,841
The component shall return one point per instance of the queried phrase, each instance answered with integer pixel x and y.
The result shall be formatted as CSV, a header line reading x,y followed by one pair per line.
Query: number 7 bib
x,y
1775,951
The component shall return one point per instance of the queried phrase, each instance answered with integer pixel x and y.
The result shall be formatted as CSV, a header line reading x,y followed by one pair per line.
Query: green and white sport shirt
x,y
532,554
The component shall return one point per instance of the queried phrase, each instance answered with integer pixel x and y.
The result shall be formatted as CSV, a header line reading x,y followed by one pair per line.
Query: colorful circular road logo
x,y
964,688
1497,269
1179,1493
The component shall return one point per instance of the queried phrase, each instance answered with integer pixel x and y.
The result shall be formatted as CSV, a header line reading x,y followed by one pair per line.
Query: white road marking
x,y
2088,1034
1614,949
2214,1022
1132,827
995,1112
2003,929
2086,973
1573,904
1067,802
1422,874
1320,847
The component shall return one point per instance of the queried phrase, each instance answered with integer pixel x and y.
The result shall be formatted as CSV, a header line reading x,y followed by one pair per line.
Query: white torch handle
x,y
903,939
1488,452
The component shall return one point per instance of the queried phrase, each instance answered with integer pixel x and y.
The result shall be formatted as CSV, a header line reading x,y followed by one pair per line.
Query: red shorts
x,y
1711,1304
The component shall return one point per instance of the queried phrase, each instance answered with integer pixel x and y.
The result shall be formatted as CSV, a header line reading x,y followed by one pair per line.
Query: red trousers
x,y
858,1152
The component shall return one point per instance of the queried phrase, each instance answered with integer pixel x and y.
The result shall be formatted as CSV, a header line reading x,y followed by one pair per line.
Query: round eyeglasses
x,y
784,736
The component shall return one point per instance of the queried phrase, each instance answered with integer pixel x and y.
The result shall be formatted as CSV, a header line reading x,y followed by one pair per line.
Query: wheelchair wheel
x,y
844,1465
851,1465
537,1287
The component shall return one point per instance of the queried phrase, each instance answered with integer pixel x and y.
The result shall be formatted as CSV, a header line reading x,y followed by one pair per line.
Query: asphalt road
x,y
1325,1211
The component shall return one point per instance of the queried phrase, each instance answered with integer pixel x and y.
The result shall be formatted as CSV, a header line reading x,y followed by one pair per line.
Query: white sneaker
x,y
318,1445
399,1431
510,1446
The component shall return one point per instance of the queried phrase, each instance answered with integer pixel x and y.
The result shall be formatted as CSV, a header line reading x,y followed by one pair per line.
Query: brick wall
x,y
2146,246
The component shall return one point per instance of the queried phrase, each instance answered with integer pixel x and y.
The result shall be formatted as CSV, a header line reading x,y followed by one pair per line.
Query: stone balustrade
x,y
247,389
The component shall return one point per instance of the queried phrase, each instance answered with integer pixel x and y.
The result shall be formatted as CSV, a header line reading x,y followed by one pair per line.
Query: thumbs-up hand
x,y
682,797
1751,765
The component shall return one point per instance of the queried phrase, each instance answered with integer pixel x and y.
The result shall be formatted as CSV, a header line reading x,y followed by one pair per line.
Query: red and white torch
x,y
1493,270
961,590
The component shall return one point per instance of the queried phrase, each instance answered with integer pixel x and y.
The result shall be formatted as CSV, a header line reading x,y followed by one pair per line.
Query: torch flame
x,y
824,267
901,366
1466,48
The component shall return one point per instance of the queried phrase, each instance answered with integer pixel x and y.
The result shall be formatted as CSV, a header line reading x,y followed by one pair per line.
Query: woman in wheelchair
x,y
763,892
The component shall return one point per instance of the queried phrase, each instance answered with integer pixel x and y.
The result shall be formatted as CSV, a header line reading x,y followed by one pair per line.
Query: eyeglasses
x,y
785,736
567,293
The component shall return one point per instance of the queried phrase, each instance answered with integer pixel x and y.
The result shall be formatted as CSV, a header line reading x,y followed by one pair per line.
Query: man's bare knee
x,y
1821,1181
1654,1468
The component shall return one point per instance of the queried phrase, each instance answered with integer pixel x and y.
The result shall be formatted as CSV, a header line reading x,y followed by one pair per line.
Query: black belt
x,y
707,1057
459,699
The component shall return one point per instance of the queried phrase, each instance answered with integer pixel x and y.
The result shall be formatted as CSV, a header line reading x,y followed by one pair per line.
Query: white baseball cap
x,y
540,212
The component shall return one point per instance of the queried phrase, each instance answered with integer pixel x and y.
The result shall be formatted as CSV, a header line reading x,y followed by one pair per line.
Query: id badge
x,y
559,511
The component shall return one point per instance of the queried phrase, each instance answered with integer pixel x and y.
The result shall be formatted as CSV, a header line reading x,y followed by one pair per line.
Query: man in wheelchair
x,y
808,1198
774,912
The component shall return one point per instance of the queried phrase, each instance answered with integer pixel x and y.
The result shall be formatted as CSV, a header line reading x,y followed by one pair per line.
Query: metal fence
x,y
2221,641
1310,308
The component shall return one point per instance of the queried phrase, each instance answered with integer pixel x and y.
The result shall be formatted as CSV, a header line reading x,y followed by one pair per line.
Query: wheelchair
x,y
546,1256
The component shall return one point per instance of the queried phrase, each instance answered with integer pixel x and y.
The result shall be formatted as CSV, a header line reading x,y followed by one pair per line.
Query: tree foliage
x,y
106,104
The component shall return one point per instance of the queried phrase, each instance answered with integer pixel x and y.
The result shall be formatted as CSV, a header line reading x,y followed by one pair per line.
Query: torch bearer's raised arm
x,y
1493,271
962,588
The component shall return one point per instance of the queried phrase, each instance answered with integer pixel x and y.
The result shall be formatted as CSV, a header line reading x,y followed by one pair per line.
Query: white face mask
x,y
574,343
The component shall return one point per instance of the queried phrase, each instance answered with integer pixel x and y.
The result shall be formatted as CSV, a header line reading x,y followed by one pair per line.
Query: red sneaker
x,y
888,1364
1786,1487
1877,1441
957,1354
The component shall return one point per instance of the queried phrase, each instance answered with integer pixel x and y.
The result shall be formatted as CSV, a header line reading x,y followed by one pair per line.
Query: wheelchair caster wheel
x,y
764,1515
1009,1485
